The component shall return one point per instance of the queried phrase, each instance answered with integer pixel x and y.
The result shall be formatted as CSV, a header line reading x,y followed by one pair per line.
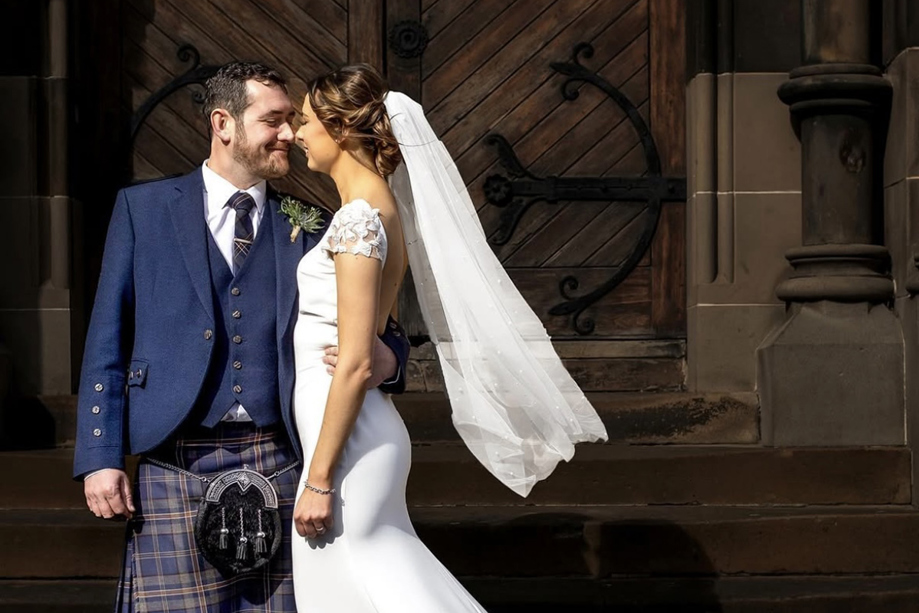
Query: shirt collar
x,y
219,191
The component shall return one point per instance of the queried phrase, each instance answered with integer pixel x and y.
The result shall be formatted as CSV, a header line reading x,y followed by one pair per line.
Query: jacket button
x,y
96,410
237,388
237,314
208,334
98,387
97,432
237,339
237,364
235,291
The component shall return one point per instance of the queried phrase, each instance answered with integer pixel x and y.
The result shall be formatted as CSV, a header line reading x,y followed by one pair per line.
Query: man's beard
x,y
253,160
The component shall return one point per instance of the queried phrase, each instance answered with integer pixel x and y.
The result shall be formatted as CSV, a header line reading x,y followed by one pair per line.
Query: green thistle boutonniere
x,y
301,216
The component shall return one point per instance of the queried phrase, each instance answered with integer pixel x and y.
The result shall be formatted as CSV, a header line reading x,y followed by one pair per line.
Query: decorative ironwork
x,y
196,75
408,39
523,189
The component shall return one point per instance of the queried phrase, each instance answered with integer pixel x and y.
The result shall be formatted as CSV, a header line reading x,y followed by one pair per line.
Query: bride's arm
x,y
358,279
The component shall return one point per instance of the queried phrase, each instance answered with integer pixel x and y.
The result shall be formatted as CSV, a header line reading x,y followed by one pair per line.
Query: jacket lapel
x,y
187,212
288,255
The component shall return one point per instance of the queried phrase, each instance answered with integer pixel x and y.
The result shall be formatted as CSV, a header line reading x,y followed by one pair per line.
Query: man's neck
x,y
230,170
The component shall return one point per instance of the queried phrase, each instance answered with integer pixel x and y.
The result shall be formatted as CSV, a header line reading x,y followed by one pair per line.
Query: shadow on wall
x,y
573,563
6,379
26,211
25,422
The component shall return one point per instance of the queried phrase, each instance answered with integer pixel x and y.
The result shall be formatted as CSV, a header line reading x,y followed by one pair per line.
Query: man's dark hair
x,y
227,88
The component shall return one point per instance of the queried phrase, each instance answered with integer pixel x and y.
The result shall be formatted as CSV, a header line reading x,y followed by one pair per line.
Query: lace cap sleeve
x,y
356,228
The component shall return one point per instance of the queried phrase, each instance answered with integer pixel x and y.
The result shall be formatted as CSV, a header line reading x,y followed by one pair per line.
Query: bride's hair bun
x,y
349,103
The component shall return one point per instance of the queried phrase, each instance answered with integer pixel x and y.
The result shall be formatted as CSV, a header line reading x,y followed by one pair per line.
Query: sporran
x,y
238,527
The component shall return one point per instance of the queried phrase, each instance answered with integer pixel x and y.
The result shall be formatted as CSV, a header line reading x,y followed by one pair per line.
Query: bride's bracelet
x,y
318,490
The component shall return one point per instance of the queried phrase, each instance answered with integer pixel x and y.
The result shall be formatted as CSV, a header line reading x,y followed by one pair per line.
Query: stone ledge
x,y
448,474
792,594
589,542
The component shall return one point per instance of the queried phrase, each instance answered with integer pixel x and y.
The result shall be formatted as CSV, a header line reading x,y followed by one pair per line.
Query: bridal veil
x,y
513,402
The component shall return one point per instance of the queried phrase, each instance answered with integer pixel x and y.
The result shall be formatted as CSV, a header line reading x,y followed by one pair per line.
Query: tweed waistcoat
x,y
244,366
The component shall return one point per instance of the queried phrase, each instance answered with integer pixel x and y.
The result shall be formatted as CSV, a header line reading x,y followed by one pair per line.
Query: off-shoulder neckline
x,y
358,201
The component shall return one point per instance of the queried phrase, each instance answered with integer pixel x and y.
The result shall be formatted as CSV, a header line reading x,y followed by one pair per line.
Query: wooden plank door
x,y
480,68
486,69
301,38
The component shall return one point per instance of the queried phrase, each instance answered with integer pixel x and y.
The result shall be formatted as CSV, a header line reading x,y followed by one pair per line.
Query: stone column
x,y
35,206
901,187
832,373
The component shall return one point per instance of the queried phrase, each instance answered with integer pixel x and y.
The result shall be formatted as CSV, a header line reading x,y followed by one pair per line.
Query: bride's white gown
x,y
372,561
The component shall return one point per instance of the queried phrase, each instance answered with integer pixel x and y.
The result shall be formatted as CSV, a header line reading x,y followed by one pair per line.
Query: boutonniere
x,y
301,216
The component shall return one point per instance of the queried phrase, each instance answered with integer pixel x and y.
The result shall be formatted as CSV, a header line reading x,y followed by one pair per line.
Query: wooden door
x,y
484,68
301,38
481,69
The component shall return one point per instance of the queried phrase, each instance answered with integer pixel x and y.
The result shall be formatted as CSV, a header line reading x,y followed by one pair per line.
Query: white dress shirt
x,y
221,221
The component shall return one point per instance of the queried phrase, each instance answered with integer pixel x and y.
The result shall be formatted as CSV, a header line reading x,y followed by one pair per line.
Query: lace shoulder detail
x,y
356,228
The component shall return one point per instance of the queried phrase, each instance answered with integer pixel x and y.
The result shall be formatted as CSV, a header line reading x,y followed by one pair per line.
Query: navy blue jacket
x,y
150,339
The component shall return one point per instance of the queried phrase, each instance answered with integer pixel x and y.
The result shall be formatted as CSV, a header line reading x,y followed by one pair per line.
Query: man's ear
x,y
222,125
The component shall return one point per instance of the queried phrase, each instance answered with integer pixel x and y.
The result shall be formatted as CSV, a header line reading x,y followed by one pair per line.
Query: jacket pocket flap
x,y
137,374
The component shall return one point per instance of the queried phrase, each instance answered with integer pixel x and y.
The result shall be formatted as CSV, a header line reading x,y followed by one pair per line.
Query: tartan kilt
x,y
163,570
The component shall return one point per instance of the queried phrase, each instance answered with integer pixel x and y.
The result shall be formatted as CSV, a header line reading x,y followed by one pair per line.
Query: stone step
x,y
865,594
573,541
448,474
51,544
58,596
606,542
630,417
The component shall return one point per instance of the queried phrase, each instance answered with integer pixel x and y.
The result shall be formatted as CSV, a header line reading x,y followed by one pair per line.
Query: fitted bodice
x,y
355,228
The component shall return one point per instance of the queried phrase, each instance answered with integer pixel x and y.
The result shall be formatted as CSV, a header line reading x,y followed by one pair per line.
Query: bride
x,y
513,403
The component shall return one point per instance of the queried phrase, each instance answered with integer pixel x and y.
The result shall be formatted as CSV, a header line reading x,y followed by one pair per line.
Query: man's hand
x,y
384,363
108,493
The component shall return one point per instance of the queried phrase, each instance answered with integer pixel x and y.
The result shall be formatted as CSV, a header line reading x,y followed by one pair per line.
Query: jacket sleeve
x,y
101,404
394,338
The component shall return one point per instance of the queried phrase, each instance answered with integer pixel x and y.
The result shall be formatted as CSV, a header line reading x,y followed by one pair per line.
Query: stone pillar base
x,y
833,375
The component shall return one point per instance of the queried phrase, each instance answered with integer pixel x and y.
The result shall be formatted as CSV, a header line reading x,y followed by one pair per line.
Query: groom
x,y
189,354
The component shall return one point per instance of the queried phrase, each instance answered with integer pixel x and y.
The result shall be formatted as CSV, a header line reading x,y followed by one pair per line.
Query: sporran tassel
x,y
224,533
260,547
243,541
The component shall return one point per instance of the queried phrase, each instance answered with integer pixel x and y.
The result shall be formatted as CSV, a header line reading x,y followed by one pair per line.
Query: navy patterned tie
x,y
242,203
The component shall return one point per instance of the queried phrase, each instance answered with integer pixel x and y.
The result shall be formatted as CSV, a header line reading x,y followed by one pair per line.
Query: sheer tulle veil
x,y
513,403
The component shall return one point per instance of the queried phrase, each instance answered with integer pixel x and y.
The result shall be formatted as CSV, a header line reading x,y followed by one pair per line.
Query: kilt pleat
x,y
163,570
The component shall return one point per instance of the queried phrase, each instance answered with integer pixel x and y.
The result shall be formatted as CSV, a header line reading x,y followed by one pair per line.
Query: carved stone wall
x,y
36,210
744,184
